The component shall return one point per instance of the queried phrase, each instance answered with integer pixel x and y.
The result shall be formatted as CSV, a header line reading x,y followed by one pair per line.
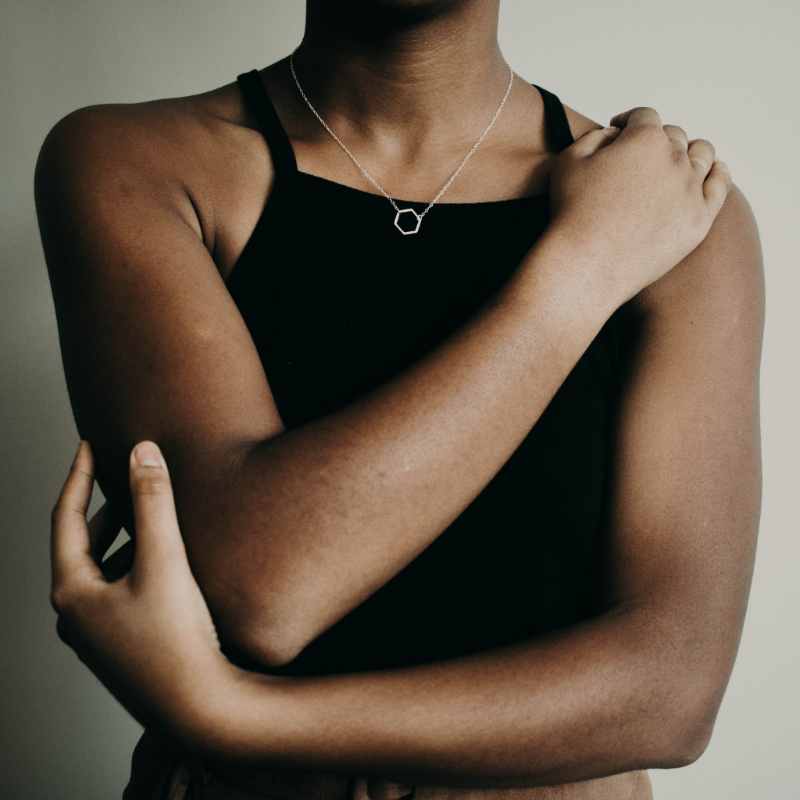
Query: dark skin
x,y
144,211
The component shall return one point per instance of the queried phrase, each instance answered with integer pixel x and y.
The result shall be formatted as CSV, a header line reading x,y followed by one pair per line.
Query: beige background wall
x,y
726,71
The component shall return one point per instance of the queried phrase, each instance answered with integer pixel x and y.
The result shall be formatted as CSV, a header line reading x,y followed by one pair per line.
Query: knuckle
x,y
649,135
679,154
705,160
703,144
676,129
678,157
62,599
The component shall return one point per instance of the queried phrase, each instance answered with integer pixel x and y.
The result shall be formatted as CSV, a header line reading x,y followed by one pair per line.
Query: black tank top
x,y
337,301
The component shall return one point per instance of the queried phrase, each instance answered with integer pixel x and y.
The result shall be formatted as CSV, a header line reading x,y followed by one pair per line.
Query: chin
x,y
387,10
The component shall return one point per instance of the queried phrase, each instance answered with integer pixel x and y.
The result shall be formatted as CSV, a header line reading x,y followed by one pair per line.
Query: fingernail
x,y
147,454
611,131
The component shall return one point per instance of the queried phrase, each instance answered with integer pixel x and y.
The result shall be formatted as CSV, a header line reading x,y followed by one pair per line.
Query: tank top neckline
x,y
284,161
377,203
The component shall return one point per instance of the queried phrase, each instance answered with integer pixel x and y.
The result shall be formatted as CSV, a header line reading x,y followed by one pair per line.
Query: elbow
x,y
270,646
686,723
263,618
673,693
687,745
260,629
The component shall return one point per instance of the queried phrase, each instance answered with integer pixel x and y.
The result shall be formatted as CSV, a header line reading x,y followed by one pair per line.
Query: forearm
x,y
597,699
308,524
289,531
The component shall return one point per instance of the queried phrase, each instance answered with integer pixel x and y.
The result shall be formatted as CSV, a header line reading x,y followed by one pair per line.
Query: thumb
x,y
592,141
158,538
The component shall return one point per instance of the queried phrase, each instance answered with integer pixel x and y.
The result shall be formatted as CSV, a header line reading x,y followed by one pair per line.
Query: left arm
x,y
637,687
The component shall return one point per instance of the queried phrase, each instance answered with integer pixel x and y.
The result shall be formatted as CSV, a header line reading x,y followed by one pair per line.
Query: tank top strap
x,y
258,101
556,117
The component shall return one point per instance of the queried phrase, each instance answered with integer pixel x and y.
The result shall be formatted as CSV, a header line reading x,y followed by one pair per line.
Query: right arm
x,y
288,531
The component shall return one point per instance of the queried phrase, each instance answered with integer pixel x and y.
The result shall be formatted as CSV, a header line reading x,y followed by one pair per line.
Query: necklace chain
x,y
374,182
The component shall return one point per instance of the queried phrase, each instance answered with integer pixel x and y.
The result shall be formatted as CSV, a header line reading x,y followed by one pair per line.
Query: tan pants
x,y
158,772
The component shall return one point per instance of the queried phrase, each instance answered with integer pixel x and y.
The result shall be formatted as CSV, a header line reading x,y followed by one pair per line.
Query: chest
x,y
338,300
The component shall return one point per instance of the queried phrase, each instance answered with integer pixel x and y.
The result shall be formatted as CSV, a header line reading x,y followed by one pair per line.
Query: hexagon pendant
x,y
407,211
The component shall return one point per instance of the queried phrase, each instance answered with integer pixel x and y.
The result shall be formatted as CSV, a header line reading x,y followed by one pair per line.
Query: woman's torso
x,y
337,301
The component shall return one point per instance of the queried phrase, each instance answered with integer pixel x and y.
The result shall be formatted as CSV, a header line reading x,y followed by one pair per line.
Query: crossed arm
x,y
264,511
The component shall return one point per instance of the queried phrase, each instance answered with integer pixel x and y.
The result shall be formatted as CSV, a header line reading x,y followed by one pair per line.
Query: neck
x,y
410,70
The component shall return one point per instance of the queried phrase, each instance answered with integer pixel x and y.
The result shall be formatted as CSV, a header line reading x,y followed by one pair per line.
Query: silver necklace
x,y
401,211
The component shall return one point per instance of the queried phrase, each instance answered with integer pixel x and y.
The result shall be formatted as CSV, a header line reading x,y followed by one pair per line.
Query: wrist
x,y
233,718
566,288
583,269
205,707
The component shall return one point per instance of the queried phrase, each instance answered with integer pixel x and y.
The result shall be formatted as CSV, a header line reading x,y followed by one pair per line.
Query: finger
x,y
158,538
677,136
717,185
103,531
70,558
637,117
594,140
701,153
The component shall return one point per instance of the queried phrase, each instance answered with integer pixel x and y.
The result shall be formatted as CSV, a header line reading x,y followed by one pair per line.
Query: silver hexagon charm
x,y
418,217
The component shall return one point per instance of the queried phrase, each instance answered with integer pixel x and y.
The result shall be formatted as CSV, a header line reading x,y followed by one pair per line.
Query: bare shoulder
x,y
190,155
579,124
167,135
720,281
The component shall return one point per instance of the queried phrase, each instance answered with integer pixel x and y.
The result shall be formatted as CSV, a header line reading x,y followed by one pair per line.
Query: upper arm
x,y
152,343
686,490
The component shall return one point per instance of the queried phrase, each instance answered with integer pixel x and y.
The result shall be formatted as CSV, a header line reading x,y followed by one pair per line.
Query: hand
x,y
148,636
636,202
